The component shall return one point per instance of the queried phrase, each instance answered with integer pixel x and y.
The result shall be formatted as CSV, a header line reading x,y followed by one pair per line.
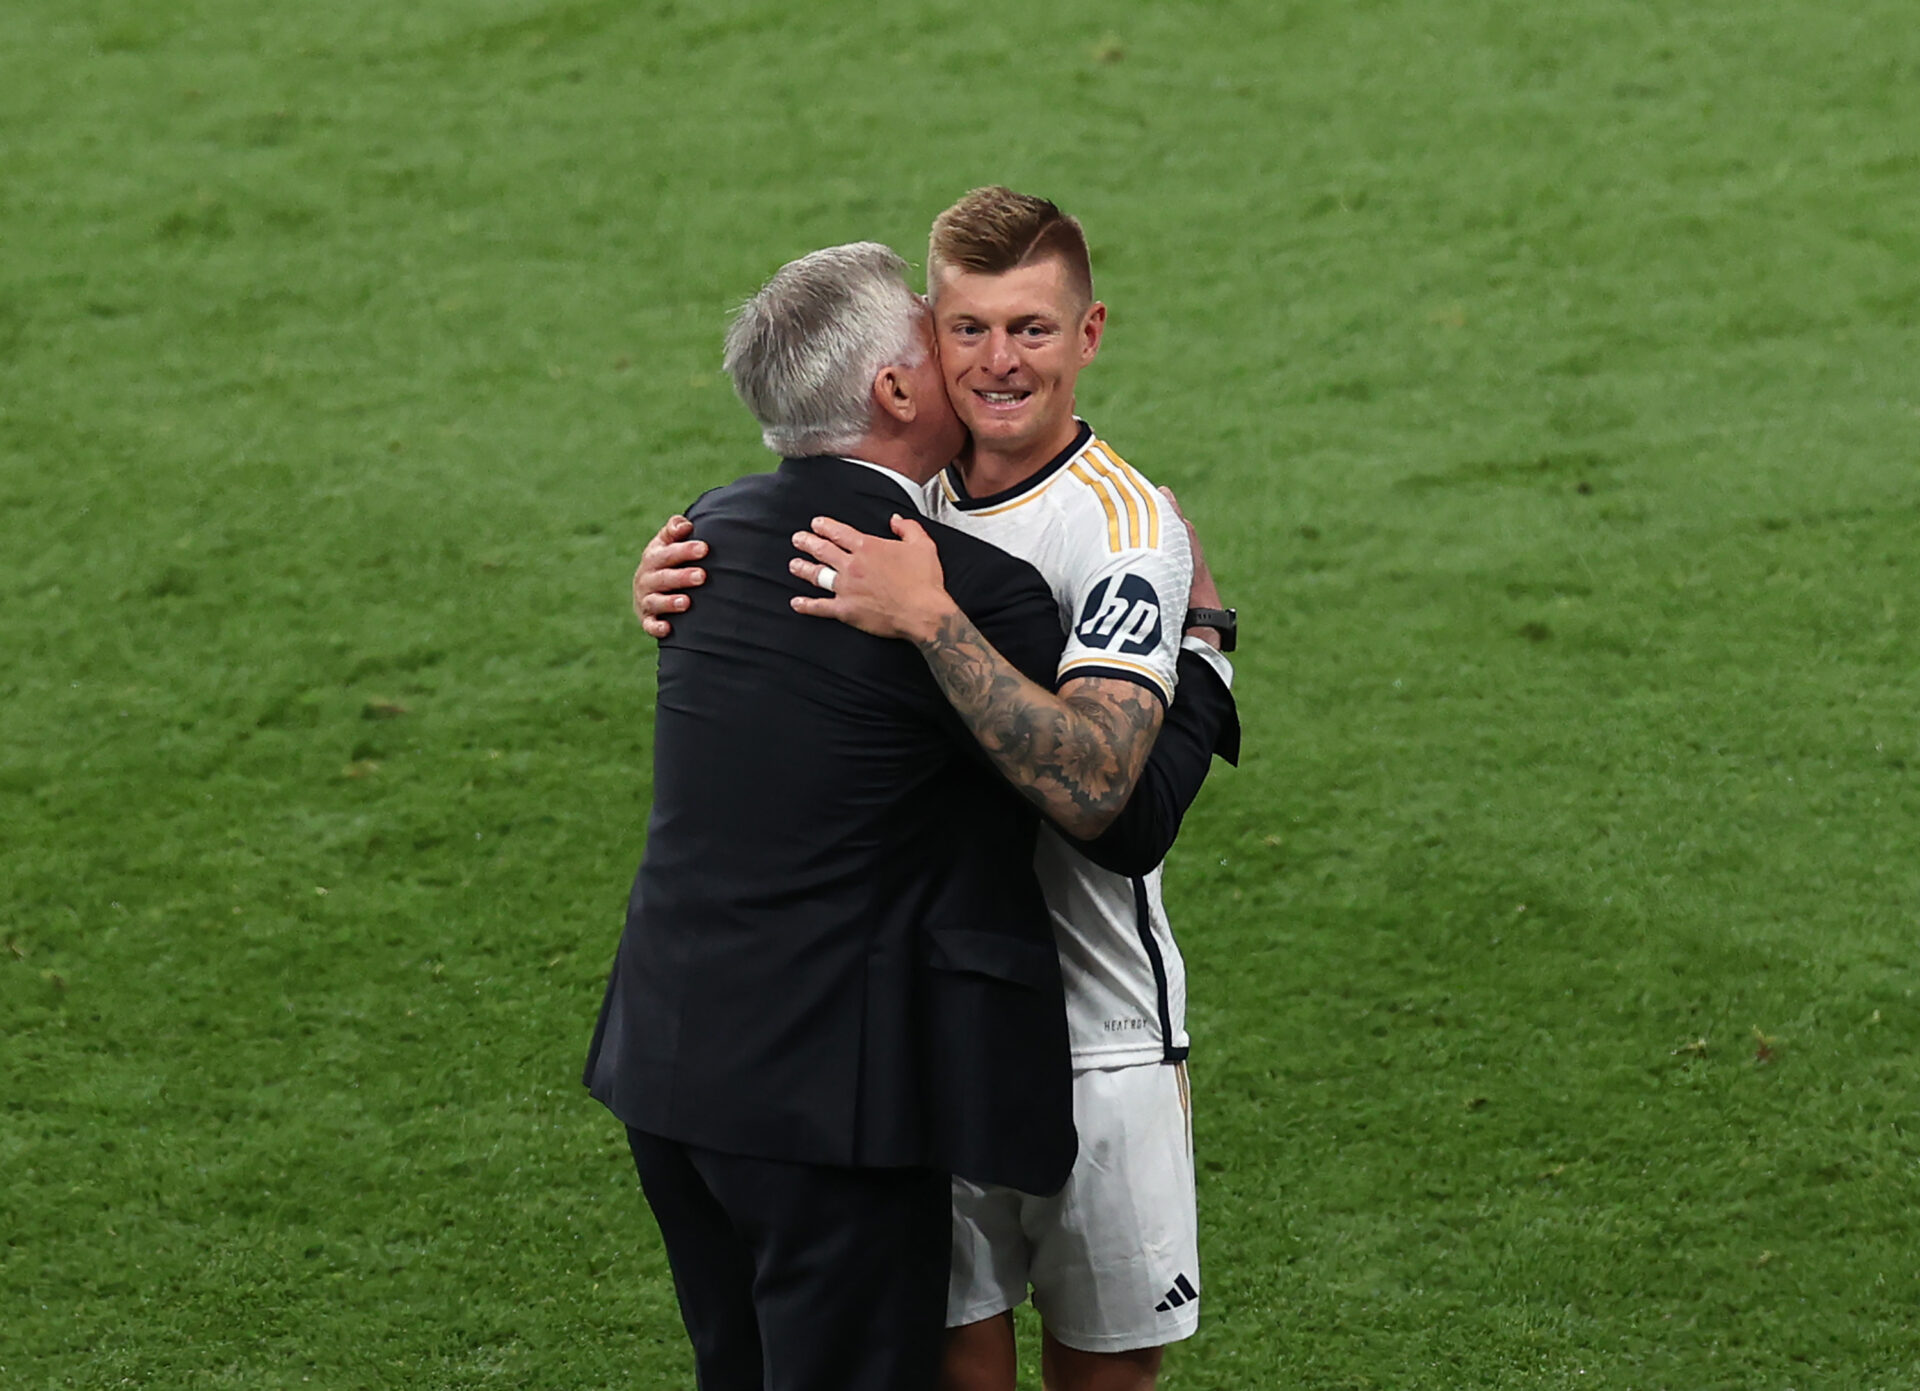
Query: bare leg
x,y
1068,1369
981,1356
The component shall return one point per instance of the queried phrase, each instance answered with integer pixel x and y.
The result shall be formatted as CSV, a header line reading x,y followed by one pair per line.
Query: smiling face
x,y
1011,348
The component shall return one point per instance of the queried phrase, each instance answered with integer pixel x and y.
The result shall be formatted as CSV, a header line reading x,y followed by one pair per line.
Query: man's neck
x,y
987,472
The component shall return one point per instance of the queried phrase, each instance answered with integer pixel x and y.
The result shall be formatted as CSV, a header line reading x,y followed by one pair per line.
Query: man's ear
x,y
1092,328
893,396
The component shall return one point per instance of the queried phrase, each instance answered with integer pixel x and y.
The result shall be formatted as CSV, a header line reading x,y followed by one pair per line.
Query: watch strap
x,y
1226,622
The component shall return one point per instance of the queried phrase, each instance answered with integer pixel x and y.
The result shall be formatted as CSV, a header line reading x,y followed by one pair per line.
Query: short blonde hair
x,y
994,230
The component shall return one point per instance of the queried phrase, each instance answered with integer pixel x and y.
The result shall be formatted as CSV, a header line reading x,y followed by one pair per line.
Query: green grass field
x,y
1543,379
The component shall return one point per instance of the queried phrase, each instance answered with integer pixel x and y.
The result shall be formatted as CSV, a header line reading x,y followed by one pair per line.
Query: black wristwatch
x,y
1225,622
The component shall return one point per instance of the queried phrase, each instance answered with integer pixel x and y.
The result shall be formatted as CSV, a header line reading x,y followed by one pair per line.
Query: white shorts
x,y
1113,1258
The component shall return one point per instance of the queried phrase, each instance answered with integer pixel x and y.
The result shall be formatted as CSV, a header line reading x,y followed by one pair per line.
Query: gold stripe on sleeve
x,y
1127,495
1080,471
1148,497
1153,507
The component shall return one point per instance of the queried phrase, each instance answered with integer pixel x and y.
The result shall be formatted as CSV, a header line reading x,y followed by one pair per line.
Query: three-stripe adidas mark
x,y
1181,1293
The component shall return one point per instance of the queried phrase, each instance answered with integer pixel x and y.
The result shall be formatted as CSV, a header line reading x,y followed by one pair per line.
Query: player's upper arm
x,y
1128,598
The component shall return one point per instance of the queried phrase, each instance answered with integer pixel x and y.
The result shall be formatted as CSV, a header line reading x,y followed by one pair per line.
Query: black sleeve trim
x,y
1106,673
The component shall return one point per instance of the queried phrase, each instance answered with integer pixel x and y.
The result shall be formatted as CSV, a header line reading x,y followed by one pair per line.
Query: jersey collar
x,y
957,488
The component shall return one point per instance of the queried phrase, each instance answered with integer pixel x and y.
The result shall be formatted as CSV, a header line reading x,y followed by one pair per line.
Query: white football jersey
x,y
1116,555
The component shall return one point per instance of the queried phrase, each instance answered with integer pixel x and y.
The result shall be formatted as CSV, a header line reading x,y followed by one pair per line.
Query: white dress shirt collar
x,y
907,485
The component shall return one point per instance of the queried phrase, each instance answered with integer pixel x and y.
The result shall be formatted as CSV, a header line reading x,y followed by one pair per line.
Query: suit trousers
x,y
802,1277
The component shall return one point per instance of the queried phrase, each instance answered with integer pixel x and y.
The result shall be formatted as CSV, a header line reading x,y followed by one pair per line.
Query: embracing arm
x,y
667,569
1076,754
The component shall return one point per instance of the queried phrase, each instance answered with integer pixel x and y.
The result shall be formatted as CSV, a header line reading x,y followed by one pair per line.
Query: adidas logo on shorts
x,y
1181,1293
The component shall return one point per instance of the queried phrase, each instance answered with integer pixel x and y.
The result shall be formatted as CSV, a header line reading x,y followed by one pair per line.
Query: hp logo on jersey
x,y
1123,617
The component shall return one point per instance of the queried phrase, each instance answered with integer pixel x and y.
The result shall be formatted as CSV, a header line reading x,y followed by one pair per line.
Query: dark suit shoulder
x,y
1009,601
698,502
981,568
748,489
801,489
980,561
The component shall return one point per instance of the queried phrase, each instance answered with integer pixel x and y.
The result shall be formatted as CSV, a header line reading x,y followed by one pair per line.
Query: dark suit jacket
x,y
836,951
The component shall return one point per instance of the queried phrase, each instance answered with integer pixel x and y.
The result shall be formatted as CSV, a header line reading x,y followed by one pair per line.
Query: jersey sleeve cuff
x,y
1212,656
1106,669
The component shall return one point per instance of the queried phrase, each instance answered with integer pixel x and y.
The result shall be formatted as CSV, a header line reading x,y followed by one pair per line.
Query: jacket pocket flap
x,y
994,954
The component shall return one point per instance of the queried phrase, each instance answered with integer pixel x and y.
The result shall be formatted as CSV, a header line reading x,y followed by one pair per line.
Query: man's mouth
x,y
1003,399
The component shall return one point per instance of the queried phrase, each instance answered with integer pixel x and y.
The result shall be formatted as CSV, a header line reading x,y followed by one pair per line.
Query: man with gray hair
x,y
837,984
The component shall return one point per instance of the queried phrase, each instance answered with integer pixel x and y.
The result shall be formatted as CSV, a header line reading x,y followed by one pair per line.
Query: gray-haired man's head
x,y
804,352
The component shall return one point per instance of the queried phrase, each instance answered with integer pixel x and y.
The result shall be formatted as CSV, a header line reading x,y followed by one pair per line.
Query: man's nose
x,y
1001,358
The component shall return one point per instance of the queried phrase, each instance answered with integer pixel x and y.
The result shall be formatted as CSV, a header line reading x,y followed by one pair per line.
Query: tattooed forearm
x,y
1076,757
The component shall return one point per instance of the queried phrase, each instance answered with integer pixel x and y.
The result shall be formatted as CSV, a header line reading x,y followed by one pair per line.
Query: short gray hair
x,y
803,352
